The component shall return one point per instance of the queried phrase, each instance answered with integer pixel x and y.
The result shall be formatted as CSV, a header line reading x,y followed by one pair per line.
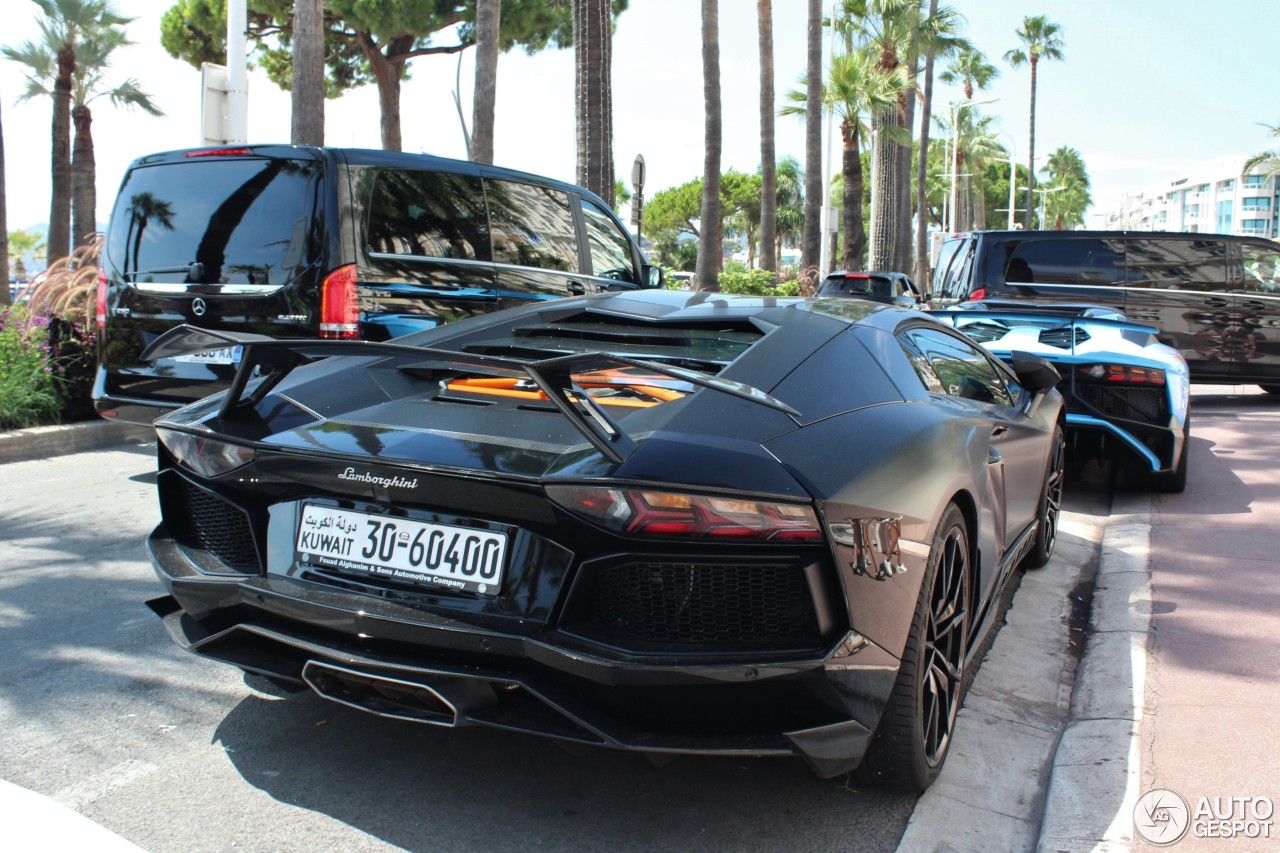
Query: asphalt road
x,y
100,711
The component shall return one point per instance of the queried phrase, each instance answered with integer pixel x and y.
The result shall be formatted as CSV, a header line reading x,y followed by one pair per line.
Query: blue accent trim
x,y
1097,423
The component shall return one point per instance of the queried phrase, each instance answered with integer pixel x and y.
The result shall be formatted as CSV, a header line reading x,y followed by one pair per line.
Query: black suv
x,y
337,243
1215,297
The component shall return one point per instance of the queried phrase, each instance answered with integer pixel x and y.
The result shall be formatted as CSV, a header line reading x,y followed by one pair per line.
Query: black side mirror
x,y
1036,373
654,276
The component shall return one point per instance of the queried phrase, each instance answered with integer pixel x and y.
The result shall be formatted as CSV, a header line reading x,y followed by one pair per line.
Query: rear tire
x,y
915,732
1050,507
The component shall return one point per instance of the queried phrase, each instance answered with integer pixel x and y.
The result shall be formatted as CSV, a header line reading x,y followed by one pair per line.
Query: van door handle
x,y
576,288
1216,302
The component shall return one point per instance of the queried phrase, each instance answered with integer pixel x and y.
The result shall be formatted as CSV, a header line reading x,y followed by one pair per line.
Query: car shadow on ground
x,y
420,787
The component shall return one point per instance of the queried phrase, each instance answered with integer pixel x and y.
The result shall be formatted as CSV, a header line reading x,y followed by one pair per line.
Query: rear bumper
x,y
114,407
422,666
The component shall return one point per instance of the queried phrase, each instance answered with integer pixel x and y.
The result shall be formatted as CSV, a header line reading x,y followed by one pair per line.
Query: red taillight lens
x,y
1121,373
218,152
978,295
339,310
102,298
856,275
648,513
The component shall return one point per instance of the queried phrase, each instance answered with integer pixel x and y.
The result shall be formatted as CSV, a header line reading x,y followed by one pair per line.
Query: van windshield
x,y
227,221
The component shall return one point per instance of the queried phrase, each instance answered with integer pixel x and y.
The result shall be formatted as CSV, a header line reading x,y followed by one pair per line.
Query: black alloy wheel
x,y
915,732
1050,508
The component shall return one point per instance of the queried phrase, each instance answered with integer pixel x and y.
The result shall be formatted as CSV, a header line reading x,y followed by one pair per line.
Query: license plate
x,y
402,549
226,355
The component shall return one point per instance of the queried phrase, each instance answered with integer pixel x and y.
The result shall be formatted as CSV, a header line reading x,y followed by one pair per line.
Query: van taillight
x,y
979,294
219,152
102,298
339,311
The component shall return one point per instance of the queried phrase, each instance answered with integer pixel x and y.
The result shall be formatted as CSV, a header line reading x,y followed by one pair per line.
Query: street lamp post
x,y
1043,193
1013,176
954,155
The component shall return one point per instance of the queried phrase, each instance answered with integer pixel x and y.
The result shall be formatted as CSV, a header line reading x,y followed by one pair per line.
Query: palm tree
x,y
21,245
790,203
143,209
1270,160
709,244
4,230
307,122
92,59
1066,169
854,91
922,163
1041,39
593,94
811,245
768,163
488,23
971,70
62,26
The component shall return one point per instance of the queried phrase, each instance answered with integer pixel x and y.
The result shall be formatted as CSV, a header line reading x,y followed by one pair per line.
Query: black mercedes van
x,y
1214,297
294,241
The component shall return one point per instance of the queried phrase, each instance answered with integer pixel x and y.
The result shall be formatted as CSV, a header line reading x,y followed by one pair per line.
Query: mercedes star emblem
x,y
198,307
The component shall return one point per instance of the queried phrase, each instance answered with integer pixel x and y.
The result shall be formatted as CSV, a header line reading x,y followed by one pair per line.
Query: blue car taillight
x,y
205,456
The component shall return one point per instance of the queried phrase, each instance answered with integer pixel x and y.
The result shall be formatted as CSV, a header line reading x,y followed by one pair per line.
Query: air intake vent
x,y
706,605
1063,337
1148,405
216,526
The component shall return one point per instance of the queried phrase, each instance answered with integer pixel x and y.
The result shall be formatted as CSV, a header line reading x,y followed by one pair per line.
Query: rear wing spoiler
x,y
1060,321
265,361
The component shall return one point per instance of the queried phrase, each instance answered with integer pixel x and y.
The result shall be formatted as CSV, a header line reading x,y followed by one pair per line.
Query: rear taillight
x,y
1125,374
339,310
856,275
205,456
978,295
218,152
102,298
674,514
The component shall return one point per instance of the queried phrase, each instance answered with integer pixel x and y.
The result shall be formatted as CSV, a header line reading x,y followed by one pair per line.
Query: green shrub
x,y
756,283
30,392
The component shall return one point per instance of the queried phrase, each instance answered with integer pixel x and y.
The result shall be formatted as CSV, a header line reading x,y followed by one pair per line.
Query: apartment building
x,y
1215,198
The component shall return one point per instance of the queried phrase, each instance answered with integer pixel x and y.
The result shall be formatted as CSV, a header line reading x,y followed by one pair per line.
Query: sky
x,y
1146,89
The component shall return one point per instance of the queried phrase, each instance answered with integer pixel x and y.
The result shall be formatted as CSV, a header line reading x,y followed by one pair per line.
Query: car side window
x,y
1261,268
1173,264
532,226
961,368
428,214
955,280
609,248
1065,262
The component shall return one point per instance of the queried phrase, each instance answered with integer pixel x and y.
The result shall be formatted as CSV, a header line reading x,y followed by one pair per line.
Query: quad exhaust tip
x,y
378,694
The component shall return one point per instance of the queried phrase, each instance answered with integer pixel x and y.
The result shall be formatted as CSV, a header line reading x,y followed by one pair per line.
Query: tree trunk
x,y
855,237
811,241
768,154
488,23
307,125
1031,151
4,229
709,246
387,74
902,233
884,190
922,168
84,193
593,95
59,239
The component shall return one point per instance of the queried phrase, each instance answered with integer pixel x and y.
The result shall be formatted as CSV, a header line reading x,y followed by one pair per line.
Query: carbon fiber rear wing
x,y
265,361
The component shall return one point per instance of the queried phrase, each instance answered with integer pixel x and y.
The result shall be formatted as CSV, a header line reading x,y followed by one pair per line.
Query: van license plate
x,y
226,355
403,549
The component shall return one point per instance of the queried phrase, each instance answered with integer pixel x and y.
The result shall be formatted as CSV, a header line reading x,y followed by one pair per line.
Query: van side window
x,y
1172,264
955,283
1261,268
610,249
532,226
1065,262
429,214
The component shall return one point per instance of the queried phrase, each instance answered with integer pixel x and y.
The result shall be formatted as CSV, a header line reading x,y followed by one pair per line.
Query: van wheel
x,y
919,719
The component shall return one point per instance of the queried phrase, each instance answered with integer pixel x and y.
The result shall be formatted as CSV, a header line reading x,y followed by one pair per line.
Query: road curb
x,y
1096,774
44,442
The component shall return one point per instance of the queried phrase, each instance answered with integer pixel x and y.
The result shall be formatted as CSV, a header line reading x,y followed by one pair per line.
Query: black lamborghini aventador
x,y
659,521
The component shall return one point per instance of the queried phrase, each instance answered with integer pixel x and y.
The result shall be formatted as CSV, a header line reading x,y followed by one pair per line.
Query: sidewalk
x,y
1174,717
41,442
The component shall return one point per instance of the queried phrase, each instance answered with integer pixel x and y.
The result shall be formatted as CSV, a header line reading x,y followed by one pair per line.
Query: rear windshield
x,y
242,221
866,285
